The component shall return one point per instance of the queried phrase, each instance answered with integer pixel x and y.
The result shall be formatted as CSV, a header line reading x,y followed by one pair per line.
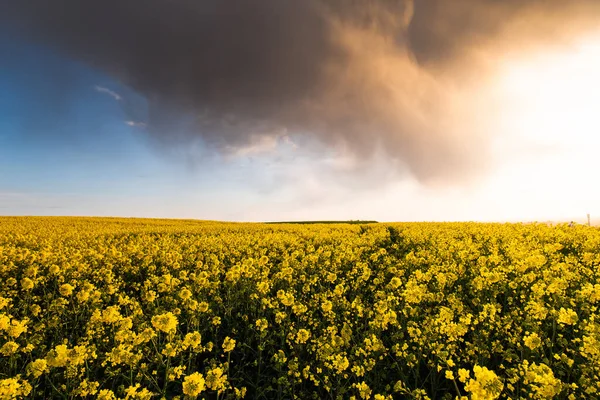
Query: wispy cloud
x,y
137,124
111,93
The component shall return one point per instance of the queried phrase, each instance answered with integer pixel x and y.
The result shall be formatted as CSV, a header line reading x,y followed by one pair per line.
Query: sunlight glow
x,y
556,97
550,132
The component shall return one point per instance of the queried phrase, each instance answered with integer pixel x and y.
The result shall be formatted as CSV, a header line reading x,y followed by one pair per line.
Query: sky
x,y
277,110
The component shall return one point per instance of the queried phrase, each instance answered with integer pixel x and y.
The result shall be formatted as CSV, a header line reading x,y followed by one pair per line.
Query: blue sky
x,y
77,155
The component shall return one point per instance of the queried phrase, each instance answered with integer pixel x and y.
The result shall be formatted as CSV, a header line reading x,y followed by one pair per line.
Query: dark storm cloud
x,y
443,30
354,75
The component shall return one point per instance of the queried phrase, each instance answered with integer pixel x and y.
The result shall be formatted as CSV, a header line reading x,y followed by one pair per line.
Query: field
x,y
140,309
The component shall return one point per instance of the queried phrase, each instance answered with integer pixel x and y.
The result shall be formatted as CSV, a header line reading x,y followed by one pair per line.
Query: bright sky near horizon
x,y
499,125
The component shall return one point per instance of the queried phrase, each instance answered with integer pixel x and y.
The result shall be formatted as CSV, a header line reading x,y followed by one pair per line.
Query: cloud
x,y
109,92
136,124
389,80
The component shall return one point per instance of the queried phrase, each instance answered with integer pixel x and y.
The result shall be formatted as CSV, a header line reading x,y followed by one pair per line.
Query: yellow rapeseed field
x,y
148,309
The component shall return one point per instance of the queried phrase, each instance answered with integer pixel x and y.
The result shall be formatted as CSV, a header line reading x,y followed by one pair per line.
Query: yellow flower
x,y
216,380
262,287
9,348
203,306
192,340
145,336
449,375
16,328
35,310
78,355
193,385
14,388
263,260
111,315
542,382
4,322
87,388
185,294
170,350
280,316
83,296
149,296
302,336
287,299
106,394
27,284
134,392
65,289
166,322
262,324
364,391
326,306
240,393
532,341
567,317
395,283
485,385
175,373
340,363
400,386
37,367
228,344
463,375
58,357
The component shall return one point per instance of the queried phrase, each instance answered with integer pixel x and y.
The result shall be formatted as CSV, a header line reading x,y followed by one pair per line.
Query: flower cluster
x,y
149,309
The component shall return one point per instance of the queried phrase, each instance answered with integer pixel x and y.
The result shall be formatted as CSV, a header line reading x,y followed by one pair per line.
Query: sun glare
x,y
548,132
555,98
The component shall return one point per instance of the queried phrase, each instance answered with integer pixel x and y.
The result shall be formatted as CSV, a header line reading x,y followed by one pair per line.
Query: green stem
x,y
456,387
164,391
